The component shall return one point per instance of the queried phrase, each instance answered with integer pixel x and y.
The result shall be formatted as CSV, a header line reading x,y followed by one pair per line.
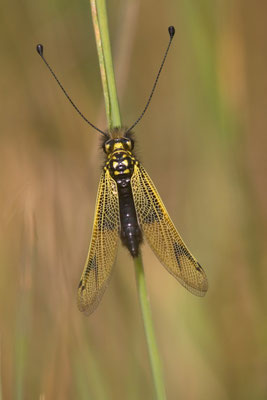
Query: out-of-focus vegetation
x,y
203,142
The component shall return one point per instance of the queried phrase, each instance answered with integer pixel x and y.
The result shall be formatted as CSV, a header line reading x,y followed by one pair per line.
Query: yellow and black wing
x,y
162,235
103,247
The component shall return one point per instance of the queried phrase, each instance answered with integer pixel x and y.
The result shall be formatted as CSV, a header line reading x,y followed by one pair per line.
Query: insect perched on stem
x,y
129,207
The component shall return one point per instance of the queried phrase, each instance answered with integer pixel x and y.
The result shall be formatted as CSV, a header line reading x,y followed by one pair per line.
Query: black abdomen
x,y
131,235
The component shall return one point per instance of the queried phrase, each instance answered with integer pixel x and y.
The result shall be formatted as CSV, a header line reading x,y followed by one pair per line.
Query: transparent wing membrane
x,y
162,235
103,247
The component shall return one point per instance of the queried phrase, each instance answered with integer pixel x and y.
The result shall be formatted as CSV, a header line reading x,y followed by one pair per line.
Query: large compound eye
x,y
107,147
129,143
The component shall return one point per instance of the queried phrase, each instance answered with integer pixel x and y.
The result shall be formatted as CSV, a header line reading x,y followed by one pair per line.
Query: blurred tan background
x,y
203,142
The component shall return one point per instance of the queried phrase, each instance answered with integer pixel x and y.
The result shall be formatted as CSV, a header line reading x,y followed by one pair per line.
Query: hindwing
x,y
162,235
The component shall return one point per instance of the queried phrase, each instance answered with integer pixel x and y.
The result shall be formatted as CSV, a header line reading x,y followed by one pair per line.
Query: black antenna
x,y
171,30
40,50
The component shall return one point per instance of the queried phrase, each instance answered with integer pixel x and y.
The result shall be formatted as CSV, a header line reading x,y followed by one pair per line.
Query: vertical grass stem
x,y
99,15
100,22
149,329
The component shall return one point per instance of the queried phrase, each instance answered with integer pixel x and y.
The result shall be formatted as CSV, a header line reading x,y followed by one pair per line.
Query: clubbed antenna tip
x,y
40,49
171,30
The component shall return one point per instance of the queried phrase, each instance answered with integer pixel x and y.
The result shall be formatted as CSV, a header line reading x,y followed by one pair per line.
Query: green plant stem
x,y
100,21
149,329
99,15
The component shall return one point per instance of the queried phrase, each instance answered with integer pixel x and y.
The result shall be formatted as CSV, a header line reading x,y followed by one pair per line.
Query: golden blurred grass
x,y
203,142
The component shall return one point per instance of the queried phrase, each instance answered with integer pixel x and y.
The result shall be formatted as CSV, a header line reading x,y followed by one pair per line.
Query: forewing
x,y
103,247
162,235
